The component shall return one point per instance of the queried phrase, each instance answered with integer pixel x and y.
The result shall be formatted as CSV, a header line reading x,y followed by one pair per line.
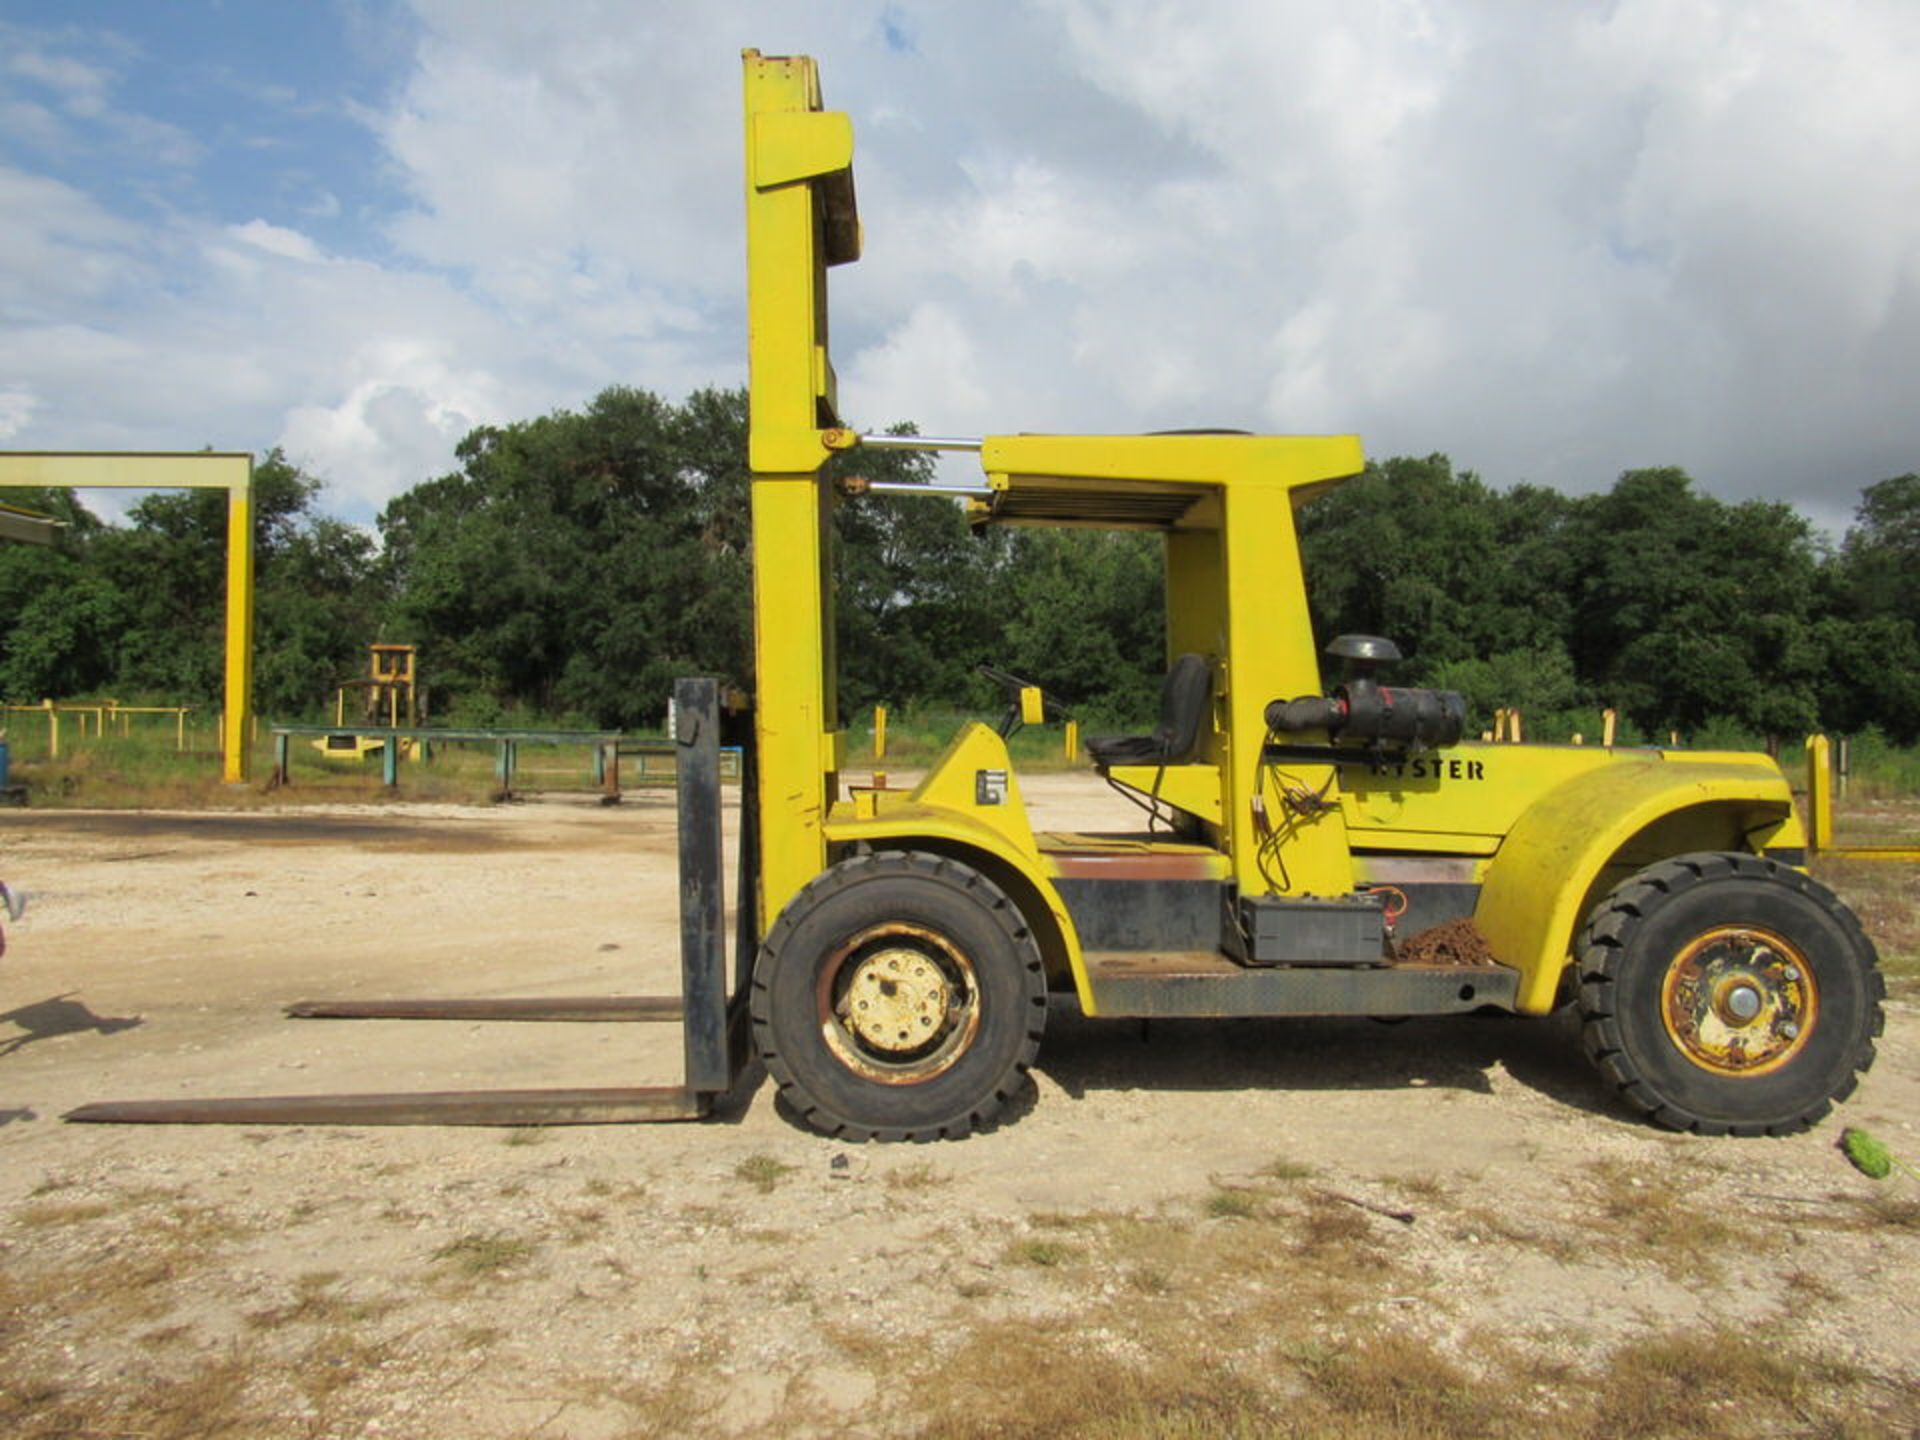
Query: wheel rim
x,y
898,1004
1740,1001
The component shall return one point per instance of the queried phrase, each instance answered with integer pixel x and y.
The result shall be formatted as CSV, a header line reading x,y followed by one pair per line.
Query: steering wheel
x,y
1050,708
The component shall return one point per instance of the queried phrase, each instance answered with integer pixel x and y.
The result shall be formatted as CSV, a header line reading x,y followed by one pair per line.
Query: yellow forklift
x,y
1310,850
1322,851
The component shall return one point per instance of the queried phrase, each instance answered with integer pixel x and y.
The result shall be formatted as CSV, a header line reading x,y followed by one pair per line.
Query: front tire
x,y
1728,994
899,996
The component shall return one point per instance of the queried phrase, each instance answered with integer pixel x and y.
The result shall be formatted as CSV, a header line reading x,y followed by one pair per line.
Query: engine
x,y
1363,711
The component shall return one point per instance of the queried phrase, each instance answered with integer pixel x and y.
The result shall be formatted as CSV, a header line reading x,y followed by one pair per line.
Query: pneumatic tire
x,y
1728,994
899,996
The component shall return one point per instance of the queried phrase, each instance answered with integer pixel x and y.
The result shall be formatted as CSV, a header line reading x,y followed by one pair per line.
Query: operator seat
x,y
1184,698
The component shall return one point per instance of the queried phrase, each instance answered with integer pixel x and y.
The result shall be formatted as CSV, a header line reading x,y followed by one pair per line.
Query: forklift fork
x,y
711,1007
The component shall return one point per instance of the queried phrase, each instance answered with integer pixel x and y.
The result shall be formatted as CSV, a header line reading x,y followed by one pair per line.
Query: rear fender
x,y
1594,829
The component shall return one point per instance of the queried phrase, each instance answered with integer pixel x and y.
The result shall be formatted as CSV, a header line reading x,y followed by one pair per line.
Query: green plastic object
x,y
1870,1157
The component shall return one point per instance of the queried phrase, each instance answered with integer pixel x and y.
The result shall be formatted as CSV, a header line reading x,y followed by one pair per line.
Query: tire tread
x,y
862,869
1602,950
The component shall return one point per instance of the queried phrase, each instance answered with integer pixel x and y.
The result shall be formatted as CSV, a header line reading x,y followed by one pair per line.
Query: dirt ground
x,y
1253,1197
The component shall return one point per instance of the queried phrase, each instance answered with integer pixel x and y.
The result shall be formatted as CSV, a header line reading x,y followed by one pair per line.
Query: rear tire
x,y
1728,994
899,996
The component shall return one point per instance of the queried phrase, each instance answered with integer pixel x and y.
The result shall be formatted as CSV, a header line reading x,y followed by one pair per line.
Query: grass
x,y
1281,1168
477,1256
920,1175
1305,1316
1886,898
1656,1217
1042,1254
763,1172
1232,1204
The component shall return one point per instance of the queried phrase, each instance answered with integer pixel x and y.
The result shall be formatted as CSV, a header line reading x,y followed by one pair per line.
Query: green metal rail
x,y
606,746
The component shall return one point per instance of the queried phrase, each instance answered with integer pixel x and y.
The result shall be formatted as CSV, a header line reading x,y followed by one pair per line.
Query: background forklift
x,y
1308,852
1339,853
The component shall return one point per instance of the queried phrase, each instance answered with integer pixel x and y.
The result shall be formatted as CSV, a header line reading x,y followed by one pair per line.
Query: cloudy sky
x,y
1553,240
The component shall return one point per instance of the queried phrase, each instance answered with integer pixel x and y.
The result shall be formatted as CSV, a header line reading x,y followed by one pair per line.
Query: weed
x,y
1224,1204
1429,1188
1661,1217
763,1172
1810,1287
476,1256
1485,1224
44,1217
1726,1382
1329,1226
921,1175
311,1302
1150,1280
1282,1168
1396,1385
1066,1220
528,1135
1044,1254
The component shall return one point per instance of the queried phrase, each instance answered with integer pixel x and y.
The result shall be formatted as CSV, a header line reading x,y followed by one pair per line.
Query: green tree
x,y
1085,616
1439,563
579,562
914,602
58,619
311,604
1691,610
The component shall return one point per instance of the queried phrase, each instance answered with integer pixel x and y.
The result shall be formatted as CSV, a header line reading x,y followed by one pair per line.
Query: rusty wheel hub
x,y
899,1004
897,1000
1739,1001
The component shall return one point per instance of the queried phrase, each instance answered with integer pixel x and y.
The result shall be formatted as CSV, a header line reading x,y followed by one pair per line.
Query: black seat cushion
x,y
1184,698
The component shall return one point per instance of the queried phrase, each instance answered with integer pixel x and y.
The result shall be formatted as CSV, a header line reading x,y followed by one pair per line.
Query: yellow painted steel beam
x,y
1820,814
801,219
29,527
1819,794
228,470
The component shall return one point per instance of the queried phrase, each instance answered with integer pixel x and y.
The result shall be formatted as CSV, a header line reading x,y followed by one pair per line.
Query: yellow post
x,y
879,732
1500,725
53,729
1819,793
1608,719
180,729
1073,739
239,687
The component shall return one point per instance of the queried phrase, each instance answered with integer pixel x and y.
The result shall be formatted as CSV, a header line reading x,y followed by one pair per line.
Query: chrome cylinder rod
x,y
920,442
901,487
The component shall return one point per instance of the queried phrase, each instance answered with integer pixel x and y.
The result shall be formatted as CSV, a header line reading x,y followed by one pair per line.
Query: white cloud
x,y
277,240
16,408
396,425
1555,241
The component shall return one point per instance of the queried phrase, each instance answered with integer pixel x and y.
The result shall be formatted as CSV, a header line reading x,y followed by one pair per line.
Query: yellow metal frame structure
x,y
1820,813
29,527
231,471
1543,831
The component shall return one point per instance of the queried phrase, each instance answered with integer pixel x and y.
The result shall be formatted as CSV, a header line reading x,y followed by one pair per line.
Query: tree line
x,y
572,565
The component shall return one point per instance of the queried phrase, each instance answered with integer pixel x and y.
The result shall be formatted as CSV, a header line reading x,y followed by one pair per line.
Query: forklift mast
x,y
1225,504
